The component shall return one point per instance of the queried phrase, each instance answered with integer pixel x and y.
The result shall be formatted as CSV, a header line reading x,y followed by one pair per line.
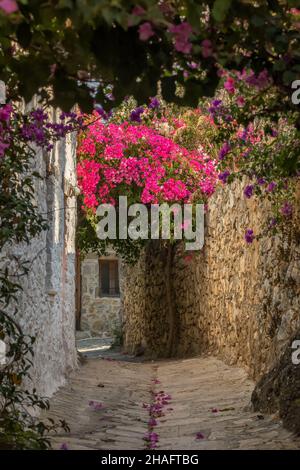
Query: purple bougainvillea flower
x,y
248,191
136,114
274,133
225,149
64,446
272,222
224,176
261,181
249,236
101,112
5,112
146,31
287,209
199,436
3,147
216,103
154,103
271,186
214,410
244,134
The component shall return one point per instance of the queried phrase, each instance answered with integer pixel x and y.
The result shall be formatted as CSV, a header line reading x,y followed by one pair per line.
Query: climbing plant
x,y
22,135
78,48
133,154
252,146
159,153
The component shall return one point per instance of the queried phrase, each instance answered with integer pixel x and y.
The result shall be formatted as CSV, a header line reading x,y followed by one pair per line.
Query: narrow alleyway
x,y
105,407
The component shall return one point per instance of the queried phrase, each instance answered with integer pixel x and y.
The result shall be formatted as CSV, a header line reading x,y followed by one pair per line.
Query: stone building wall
x,y
237,301
46,306
100,316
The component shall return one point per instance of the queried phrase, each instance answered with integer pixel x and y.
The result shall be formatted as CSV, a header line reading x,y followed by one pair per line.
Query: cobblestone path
x,y
207,397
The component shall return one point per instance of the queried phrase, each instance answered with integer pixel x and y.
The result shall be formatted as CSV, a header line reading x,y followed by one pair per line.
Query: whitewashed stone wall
x,y
100,316
46,306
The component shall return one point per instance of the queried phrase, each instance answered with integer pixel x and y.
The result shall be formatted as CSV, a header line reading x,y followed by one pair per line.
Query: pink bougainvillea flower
x,y
156,381
151,165
199,436
96,405
146,31
8,6
193,65
182,33
152,439
138,10
229,85
240,101
152,422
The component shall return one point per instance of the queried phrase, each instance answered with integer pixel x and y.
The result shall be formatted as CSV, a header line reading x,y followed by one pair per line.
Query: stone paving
x,y
207,397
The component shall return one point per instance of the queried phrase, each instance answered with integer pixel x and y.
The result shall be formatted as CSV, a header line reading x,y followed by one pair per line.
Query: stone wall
x,y
46,306
144,308
237,301
100,316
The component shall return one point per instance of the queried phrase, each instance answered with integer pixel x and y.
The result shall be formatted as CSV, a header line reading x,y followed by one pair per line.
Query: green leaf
x,y
220,9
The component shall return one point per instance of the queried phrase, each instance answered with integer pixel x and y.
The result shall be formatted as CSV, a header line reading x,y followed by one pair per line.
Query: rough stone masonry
x,y
239,302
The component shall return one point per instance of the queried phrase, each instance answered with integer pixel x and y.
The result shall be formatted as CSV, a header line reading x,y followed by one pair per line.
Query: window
x,y
109,277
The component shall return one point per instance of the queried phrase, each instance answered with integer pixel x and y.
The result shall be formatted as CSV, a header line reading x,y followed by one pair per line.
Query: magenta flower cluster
x,y
137,160
181,33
